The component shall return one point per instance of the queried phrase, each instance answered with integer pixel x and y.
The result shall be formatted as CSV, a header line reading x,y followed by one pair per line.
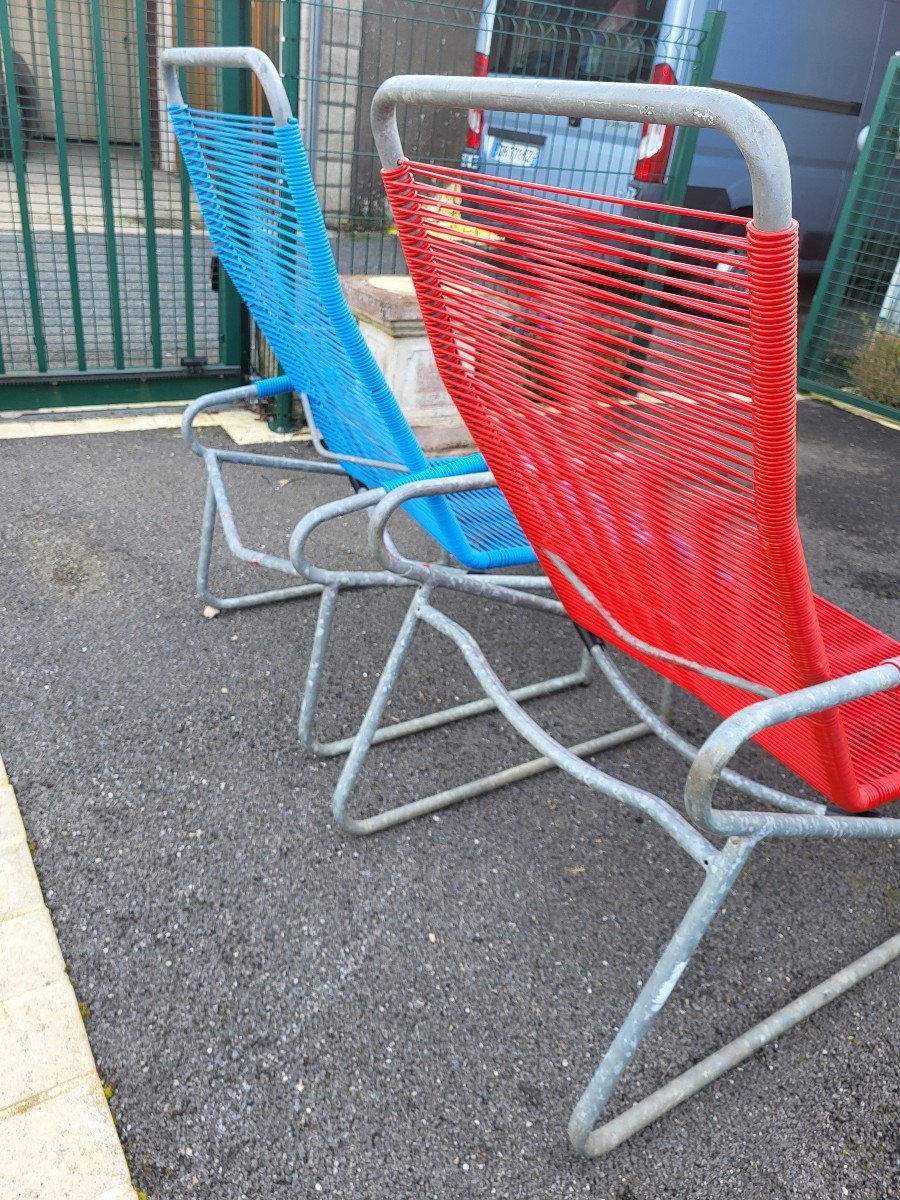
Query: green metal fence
x,y
104,260
850,348
336,54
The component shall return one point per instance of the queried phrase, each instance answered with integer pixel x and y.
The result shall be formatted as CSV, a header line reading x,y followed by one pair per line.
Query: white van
x,y
814,65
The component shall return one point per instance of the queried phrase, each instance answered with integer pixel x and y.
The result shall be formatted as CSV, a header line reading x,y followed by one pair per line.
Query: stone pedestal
x,y
388,314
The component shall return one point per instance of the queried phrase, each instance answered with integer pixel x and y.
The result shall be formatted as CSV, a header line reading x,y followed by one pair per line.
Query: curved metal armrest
x,y
435,482
230,398
719,748
258,390
307,526
416,487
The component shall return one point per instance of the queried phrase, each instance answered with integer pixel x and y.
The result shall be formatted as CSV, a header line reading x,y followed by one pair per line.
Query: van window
x,y
581,39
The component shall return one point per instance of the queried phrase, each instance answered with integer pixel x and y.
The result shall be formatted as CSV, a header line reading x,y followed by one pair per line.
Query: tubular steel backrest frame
x,y
656,480
754,133
253,184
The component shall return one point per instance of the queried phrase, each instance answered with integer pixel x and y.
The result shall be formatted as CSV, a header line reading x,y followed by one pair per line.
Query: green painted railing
x,y
105,265
105,292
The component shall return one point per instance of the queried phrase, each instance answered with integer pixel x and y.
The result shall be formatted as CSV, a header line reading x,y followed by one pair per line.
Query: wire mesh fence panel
x,y
850,348
335,55
104,262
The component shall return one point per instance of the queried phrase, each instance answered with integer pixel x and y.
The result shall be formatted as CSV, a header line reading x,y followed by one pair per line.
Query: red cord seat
x,y
872,725
628,372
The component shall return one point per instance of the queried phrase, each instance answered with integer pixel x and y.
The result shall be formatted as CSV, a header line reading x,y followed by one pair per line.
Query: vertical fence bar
x,y
65,190
686,141
312,86
140,16
187,234
234,323
109,214
290,52
18,154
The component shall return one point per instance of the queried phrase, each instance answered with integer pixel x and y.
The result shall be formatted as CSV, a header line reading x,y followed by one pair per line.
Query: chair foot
x,y
254,599
469,791
594,1140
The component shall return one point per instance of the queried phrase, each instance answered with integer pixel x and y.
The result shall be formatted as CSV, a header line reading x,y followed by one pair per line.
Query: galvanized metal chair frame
x,y
371,471
788,816
429,577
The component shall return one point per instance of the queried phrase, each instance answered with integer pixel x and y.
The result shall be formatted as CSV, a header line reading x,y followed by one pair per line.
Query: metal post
x,y
312,93
187,233
62,159
290,51
234,322
140,16
106,192
18,153
285,418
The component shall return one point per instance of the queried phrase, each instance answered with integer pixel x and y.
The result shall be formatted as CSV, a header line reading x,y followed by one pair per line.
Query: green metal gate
x,y
104,261
850,350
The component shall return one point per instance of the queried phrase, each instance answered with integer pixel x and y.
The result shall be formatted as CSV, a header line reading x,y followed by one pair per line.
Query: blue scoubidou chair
x,y
256,193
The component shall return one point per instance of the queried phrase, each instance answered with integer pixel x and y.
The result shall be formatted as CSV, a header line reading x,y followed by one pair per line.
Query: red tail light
x,y
656,140
476,115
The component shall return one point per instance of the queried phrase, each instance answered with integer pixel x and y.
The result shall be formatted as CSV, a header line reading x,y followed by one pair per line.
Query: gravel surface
x,y
284,1011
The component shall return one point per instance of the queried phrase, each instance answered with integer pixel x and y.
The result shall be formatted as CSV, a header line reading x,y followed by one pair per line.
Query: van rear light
x,y
656,140
475,120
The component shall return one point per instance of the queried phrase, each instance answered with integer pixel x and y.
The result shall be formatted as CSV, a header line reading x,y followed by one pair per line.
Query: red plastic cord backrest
x,y
628,372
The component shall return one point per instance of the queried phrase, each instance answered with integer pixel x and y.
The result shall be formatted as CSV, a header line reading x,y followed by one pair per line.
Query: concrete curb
x,y
57,1135
241,425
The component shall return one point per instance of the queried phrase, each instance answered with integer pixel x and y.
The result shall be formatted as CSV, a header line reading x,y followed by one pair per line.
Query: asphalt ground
x,y
284,1011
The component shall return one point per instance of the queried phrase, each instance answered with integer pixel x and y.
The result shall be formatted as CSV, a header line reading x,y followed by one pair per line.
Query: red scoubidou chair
x,y
628,372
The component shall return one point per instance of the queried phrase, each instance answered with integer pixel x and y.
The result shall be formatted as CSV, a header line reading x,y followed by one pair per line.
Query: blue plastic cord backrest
x,y
258,199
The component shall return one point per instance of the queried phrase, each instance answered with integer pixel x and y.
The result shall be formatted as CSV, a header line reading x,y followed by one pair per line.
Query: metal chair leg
x,y
251,599
594,1141
371,732
721,872
317,658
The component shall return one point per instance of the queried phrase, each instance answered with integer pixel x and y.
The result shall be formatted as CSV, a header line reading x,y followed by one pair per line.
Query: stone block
x,y
388,314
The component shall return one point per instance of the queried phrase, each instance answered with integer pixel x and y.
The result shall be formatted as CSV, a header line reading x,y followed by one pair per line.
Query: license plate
x,y
512,154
